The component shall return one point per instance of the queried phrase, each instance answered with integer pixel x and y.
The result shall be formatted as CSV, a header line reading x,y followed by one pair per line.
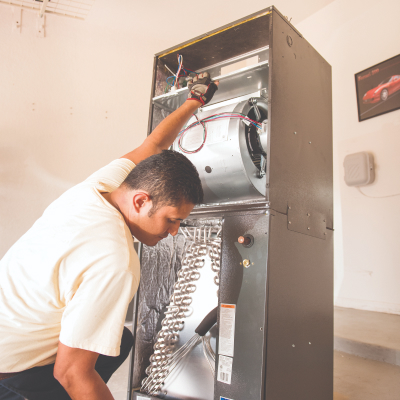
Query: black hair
x,y
169,178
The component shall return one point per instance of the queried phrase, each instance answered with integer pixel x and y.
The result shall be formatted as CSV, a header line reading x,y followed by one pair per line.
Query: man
x,y
66,284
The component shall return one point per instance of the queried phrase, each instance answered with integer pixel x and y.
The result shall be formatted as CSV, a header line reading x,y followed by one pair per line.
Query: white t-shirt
x,y
70,277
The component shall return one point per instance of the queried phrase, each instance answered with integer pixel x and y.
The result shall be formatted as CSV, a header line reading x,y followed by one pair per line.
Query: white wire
x,y
179,71
377,197
166,66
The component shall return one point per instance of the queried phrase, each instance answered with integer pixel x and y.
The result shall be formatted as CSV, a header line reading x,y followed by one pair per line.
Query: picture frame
x,y
378,89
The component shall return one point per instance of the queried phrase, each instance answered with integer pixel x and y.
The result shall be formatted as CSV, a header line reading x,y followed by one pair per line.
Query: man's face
x,y
166,220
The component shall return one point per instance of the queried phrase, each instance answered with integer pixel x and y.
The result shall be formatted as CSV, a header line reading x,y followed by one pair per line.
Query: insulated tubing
x,y
208,322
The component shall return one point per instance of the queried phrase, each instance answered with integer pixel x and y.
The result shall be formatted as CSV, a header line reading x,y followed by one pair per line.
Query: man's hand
x,y
201,88
74,369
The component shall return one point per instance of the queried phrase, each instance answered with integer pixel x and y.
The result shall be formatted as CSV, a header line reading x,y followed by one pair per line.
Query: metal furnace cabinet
x,y
273,185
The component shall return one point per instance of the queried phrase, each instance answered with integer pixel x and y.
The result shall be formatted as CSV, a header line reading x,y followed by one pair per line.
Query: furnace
x,y
239,304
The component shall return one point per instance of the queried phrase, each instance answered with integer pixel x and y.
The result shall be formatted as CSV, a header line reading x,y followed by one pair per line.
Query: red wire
x,y
203,123
204,140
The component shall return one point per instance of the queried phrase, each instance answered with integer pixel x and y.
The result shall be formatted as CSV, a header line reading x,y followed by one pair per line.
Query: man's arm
x,y
201,91
166,132
74,369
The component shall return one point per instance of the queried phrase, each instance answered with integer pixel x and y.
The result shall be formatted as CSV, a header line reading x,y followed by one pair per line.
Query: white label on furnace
x,y
227,329
193,138
217,131
142,398
225,369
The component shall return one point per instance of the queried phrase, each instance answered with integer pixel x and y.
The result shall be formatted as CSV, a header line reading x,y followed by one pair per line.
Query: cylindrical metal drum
x,y
232,162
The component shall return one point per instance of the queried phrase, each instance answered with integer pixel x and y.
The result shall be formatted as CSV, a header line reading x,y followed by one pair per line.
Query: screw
x,y
260,329
290,222
309,342
308,228
295,133
293,345
308,214
290,208
309,142
246,263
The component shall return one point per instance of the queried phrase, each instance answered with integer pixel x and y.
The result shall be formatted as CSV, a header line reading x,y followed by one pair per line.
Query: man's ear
x,y
141,201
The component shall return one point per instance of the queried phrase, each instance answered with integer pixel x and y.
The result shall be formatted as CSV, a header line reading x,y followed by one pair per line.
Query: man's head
x,y
162,190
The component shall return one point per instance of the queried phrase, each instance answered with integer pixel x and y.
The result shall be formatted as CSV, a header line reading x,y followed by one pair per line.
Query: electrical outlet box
x,y
359,169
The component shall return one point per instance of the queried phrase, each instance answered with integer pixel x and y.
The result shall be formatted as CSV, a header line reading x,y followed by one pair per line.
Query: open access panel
x,y
239,304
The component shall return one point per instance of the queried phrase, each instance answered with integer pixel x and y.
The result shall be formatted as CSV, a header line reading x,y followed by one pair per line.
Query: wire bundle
x,y
180,72
211,118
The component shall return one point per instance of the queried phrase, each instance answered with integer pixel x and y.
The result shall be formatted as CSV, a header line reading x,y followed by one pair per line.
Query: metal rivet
x,y
308,214
290,222
295,133
260,329
309,142
290,208
293,345
308,228
309,342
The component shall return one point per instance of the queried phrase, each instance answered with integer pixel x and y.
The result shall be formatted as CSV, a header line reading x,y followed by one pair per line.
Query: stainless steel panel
x,y
247,288
238,83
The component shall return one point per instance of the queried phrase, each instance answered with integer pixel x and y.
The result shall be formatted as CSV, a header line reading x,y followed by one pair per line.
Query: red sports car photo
x,y
383,90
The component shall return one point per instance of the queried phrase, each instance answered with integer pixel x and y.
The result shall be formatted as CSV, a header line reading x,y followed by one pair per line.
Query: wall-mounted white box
x,y
359,169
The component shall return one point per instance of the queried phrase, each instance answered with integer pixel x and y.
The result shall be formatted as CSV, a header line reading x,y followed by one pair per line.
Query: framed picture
x,y
378,89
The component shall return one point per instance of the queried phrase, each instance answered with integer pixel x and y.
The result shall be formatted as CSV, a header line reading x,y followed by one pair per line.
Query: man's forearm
x,y
88,386
167,131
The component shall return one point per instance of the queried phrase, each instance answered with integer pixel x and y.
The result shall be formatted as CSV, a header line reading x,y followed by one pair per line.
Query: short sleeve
x,y
112,175
94,318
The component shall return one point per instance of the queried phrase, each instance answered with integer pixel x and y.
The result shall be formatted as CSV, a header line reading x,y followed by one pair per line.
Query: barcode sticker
x,y
225,369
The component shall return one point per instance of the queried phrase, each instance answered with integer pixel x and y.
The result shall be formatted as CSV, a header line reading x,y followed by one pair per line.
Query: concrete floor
x,y
355,378
368,334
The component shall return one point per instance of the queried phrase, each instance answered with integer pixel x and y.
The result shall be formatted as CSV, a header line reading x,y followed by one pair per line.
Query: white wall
x,y
56,92
353,36
78,98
